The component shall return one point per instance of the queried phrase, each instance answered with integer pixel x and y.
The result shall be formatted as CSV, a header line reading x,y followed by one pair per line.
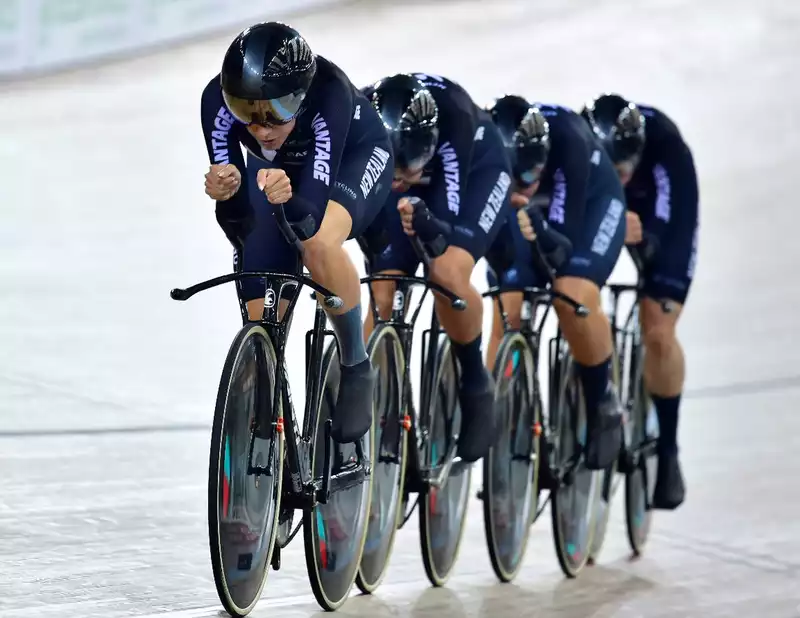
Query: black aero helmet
x,y
266,74
525,133
411,117
618,124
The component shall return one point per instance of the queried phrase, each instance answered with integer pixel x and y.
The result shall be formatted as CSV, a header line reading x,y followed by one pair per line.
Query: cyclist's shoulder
x,y
331,86
215,115
570,135
660,129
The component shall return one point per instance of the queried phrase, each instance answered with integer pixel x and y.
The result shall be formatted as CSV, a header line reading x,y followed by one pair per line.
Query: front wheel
x,y
443,508
388,477
511,469
335,532
573,504
245,471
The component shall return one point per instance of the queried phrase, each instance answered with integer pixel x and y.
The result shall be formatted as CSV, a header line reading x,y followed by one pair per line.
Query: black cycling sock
x,y
667,409
473,373
594,380
350,336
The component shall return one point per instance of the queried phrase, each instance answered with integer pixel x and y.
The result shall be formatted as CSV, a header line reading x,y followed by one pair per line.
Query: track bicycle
x,y
415,442
262,468
638,461
537,448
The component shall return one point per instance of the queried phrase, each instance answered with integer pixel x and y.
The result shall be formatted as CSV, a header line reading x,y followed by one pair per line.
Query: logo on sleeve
x,y
558,199
322,147
451,176
375,166
664,188
219,136
495,202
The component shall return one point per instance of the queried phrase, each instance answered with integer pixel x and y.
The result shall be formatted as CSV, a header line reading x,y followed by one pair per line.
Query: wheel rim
x,y
576,501
509,487
644,477
387,476
247,502
445,506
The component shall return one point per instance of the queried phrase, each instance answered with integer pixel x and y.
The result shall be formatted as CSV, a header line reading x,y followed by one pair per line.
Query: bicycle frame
x,y
412,421
536,306
304,491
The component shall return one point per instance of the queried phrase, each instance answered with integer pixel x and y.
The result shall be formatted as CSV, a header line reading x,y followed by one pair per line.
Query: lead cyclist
x,y
318,148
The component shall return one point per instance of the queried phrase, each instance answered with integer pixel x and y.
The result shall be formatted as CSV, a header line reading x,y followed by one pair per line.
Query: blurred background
x,y
107,386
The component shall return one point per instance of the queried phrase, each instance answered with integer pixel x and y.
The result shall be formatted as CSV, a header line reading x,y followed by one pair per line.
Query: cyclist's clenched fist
x,y
275,184
223,181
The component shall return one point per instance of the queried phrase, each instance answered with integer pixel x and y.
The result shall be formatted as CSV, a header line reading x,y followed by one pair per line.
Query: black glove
x,y
645,250
432,233
552,249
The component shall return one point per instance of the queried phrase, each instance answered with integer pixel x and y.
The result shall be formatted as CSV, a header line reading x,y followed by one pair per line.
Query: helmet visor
x,y
414,149
281,110
626,149
529,162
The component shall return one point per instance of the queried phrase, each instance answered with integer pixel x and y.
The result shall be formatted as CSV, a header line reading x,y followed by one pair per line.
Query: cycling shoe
x,y
670,490
477,422
604,433
352,416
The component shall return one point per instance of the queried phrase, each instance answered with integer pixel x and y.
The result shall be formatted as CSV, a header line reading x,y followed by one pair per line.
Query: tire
x,y
388,477
334,533
573,526
236,498
608,482
640,484
440,545
511,469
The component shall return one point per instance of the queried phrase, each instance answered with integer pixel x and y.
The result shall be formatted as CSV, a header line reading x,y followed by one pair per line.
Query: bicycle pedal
x,y
548,479
276,558
627,462
479,495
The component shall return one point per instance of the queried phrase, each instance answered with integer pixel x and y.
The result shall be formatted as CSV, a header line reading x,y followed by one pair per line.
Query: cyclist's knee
x,y
512,305
383,295
658,327
583,291
453,268
329,238
255,309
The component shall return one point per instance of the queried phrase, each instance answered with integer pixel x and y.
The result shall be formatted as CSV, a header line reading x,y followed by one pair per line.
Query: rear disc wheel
x,y
511,469
573,504
335,532
388,476
442,510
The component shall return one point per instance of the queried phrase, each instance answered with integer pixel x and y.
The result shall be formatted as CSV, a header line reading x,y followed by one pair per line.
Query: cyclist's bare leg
x,y
452,270
664,366
328,261
664,372
330,265
590,344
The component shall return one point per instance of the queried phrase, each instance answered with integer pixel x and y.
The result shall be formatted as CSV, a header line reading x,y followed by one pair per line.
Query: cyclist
x,y
657,169
552,150
320,150
451,183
